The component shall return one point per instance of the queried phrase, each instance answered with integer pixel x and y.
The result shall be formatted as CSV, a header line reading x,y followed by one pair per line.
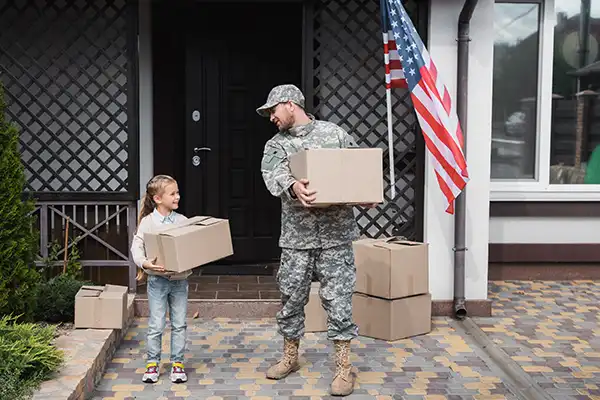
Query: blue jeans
x,y
162,294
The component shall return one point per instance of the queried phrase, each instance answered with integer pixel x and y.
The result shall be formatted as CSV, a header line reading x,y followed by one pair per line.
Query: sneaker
x,y
151,374
178,374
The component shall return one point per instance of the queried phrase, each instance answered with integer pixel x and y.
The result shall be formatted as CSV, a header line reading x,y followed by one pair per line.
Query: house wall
x,y
439,226
541,247
547,228
544,230
162,88
146,95
339,92
67,75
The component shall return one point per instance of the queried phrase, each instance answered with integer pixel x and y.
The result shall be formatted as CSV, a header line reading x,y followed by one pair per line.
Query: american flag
x,y
408,65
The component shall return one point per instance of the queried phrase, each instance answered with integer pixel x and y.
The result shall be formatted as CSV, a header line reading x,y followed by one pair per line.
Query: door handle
x,y
196,159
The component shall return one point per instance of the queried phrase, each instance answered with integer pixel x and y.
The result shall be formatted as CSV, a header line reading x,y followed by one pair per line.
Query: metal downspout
x,y
464,20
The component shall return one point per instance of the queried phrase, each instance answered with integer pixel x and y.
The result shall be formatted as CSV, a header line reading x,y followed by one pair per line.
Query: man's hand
x,y
151,266
302,193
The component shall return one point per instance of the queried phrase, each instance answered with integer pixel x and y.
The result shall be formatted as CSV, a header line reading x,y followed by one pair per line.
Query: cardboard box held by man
x,y
341,176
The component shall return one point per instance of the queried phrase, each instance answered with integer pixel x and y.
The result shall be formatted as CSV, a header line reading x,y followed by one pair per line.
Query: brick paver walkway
x,y
228,359
550,329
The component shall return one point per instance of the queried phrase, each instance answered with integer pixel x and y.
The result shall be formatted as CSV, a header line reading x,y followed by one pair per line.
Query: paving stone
x,y
228,358
551,329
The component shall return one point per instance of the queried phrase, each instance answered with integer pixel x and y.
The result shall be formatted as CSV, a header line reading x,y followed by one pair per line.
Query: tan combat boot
x,y
343,382
289,362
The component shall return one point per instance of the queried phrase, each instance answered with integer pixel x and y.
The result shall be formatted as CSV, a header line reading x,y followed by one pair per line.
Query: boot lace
x,y
290,351
342,362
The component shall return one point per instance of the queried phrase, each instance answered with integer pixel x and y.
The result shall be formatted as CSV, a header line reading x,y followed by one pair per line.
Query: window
x,y
546,100
575,132
515,91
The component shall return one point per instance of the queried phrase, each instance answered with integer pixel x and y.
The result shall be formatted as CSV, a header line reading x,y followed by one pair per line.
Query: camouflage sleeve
x,y
276,171
346,140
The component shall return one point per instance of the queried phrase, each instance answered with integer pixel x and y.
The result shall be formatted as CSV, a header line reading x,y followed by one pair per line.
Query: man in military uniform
x,y
315,242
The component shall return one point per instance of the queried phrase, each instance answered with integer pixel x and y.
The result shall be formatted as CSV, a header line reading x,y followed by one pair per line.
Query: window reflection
x,y
575,133
515,90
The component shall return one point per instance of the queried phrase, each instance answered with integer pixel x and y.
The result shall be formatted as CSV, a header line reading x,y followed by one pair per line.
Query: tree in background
x,y
18,241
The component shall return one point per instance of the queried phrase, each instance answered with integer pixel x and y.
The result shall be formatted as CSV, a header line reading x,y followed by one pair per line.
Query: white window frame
x,y
539,188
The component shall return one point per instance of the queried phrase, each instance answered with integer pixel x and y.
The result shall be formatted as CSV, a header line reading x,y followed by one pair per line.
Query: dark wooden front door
x,y
236,52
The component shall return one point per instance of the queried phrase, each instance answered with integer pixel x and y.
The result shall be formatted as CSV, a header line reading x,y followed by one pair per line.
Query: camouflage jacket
x,y
302,227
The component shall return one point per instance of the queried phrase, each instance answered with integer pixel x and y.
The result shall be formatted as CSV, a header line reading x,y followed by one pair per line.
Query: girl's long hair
x,y
155,186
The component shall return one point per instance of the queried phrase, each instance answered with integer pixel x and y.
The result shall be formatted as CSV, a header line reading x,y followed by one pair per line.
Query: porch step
x,y
228,287
246,308
225,296
244,296
214,308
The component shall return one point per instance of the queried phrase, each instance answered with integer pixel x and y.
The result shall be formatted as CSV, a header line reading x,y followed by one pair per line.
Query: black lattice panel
x,y
64,67
350,90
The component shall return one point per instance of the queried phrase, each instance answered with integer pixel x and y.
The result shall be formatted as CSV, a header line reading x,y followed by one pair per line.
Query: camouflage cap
x,y
281,94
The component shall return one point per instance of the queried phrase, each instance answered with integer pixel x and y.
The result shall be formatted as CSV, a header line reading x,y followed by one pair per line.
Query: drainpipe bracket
x,y
455,249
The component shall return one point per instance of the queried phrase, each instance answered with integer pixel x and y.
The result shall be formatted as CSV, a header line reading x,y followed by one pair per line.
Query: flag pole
x,y
388,96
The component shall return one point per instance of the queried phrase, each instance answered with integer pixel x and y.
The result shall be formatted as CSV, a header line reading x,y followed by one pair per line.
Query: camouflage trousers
x,y
334,268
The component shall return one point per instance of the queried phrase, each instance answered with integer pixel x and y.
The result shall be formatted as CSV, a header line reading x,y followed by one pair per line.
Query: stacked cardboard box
x,y
315,319
392,299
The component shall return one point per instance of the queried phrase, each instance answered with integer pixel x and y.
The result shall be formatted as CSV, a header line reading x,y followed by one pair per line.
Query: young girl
x,y
165,289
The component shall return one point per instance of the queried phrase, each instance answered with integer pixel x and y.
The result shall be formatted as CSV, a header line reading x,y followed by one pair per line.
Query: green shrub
x,y
15,389
28,357
54,263
56,296
18,241
56,299
74,268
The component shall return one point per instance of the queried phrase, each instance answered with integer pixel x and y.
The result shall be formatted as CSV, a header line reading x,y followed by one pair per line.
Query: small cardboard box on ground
x,y
391,268
392,319
391,299
315,315
341,176
190,243
101,307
